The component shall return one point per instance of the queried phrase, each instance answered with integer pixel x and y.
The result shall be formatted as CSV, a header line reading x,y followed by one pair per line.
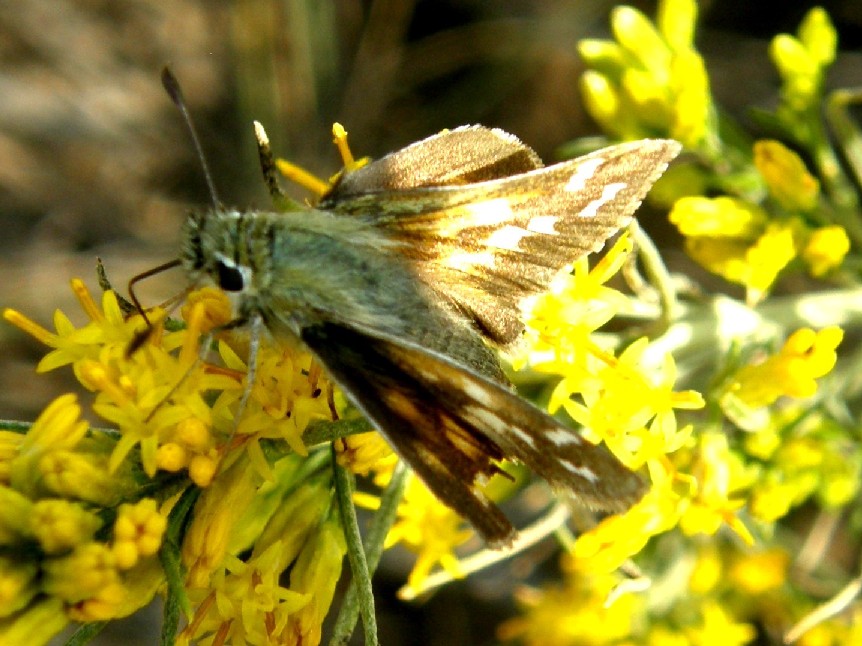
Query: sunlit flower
x,y
720,628
825,249
138,532
366,452
806,356
650,81
576,612
789,182
719,475
429,528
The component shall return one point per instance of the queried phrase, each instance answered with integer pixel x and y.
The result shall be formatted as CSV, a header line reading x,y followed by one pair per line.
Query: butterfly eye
x,y
230,277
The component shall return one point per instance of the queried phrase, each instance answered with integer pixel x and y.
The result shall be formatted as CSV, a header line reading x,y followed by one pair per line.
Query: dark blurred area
x,y
95,160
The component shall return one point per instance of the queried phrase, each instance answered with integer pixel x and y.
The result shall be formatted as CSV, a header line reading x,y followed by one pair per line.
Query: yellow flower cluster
x,y
70,562
243,514
777,448
243,601
765,208
651,81
171,411
741,241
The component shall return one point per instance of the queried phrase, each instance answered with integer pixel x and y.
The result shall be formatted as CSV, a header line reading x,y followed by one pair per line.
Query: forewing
x,y
452,425
464,155
486,246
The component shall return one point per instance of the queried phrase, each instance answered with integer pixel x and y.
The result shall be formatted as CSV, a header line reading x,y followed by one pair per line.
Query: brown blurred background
x,y
95,161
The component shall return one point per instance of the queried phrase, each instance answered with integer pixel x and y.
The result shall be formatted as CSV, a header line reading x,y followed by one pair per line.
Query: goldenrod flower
x,y
576,612
825,249
802,60
651,81
37,624
760,572
789,182
61,525
806,356
138,532
715,503
217,515
88,580
366,452
18,584
315,573
429,528
246,604
719,628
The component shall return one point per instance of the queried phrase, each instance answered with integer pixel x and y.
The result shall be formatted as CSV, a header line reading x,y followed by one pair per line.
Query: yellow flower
x,y
87,579
36,624
18,585
216,517
365,452
316,573
294,520
735,239
58,427
757,265
107,327
818,35
246,604
289,392
718,217
806,356
788,181
719,475
720,628
708,570
621,399
650,81
760,572
429,528
559,323
825,249
288,527
801,61
614,540
138,532
577,612
61,525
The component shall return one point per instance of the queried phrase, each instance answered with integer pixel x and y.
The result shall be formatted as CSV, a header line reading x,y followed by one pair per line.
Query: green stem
x,y
322,431
86,633
658,276
383,520
355,552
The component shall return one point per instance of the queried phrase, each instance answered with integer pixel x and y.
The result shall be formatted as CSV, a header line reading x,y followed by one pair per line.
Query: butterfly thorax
x,y
306,268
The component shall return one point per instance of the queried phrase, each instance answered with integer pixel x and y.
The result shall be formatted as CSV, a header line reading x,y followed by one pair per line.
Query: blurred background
x,y
95,160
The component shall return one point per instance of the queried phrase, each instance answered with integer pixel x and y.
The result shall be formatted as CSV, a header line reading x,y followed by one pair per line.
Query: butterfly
x,y
408,275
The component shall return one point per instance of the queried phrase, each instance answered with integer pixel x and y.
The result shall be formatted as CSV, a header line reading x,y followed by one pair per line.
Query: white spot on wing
x,y
585,171
506,237
609,192
423,372
499,427
543,224
521,435
563,437
465,260
485,213
584,472
487,417
475,391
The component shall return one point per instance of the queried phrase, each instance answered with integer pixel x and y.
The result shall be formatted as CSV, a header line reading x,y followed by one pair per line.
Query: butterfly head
x,y
211,250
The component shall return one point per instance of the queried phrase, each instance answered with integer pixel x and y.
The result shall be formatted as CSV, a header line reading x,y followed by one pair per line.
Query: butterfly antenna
x,y
172,87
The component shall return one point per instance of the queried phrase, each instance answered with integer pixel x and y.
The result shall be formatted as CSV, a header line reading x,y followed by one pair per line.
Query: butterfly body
x,y
406,274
